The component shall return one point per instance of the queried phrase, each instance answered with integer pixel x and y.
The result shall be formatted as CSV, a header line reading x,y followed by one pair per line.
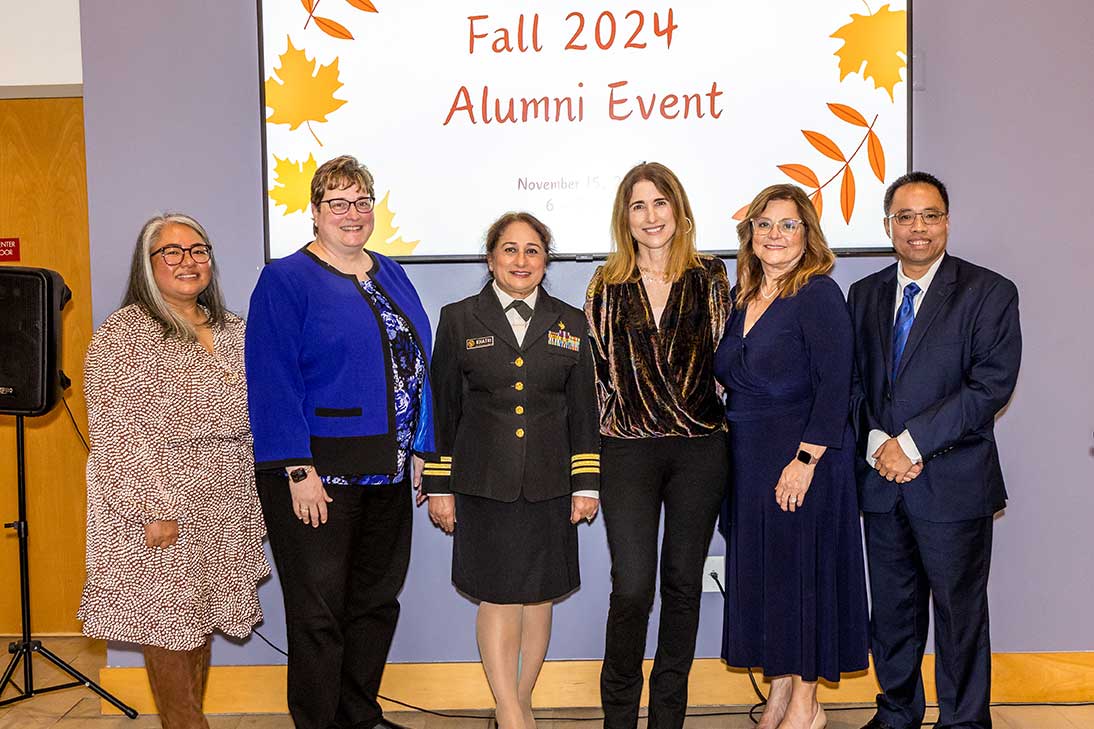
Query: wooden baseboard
x,y
1048,677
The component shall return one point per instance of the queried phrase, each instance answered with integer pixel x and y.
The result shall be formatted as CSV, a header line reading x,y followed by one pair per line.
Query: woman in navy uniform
x,y
517,463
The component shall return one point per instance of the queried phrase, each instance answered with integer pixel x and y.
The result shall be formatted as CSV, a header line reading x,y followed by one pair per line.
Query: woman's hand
x,y
792,485
162,534
310,499
416,467
442,510
583,507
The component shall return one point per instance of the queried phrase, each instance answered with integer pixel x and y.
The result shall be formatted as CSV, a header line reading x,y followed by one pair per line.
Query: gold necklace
x,y
767,297
653,274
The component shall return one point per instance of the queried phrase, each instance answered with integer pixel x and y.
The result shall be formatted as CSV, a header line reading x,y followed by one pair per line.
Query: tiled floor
x,y
78,708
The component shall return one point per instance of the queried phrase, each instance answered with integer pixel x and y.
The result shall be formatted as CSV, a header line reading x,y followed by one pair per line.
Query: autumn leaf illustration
x,y
292,186
332,27
847,194
801,174
824,144
876,46
385,238
876,155
300,93
740,214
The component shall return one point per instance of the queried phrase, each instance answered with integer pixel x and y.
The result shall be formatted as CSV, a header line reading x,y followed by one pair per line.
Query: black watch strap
x,y
299,474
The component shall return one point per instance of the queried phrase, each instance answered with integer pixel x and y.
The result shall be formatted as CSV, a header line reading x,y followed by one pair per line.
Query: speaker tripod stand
x,y
24,650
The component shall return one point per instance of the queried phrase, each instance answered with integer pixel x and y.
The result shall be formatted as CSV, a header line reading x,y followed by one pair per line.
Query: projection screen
x,y
464,110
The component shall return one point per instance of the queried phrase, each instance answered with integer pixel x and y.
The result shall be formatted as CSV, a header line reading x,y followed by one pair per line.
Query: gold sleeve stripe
x,y
584,457
586,469
427,471
446,459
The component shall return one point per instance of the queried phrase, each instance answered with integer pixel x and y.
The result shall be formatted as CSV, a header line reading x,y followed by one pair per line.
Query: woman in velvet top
x,y
795,587
337,372
656,310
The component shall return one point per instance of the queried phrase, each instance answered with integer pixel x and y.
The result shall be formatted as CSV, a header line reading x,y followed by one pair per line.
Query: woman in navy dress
x,y
795,590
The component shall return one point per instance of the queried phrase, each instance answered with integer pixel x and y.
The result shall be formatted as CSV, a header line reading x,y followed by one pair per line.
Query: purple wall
x,y
172,121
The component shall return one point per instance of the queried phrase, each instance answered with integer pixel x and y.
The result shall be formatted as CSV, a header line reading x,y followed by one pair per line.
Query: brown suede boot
x,y
178,684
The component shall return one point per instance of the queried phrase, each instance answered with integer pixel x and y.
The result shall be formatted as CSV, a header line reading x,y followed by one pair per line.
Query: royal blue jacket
x,y
319,372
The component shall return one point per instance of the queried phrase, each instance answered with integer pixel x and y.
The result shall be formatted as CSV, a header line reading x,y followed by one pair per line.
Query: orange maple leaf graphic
x,y
385,236
299,93
875,44
292,187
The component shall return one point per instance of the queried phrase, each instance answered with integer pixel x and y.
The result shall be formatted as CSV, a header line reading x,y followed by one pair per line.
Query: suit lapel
x,y
544,316
489,312
886,295
940,291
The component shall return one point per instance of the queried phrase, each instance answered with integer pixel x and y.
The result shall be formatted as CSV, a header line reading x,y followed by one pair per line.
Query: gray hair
x,y
143,291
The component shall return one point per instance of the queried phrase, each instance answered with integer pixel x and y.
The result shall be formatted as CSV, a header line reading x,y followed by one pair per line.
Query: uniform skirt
x,y
514,553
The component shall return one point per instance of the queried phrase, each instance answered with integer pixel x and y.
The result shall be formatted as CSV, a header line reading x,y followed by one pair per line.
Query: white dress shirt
x,y
877,437
516,321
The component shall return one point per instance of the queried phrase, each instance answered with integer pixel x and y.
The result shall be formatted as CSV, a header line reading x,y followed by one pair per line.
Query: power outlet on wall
x,y
716,565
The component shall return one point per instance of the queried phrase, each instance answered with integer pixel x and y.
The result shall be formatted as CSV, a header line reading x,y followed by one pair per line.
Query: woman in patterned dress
x,y
337,368
174,529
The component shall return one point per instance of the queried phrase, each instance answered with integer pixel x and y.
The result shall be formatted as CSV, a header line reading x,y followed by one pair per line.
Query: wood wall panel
x,y
43,202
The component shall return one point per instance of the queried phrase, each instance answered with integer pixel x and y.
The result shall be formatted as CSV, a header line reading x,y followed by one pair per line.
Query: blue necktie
x,y
904,318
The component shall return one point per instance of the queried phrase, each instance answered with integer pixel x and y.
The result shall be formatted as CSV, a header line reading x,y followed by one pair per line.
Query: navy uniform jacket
x,y
513,419
958,370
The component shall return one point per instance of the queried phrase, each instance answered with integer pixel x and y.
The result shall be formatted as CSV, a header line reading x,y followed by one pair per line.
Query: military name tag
x,y
480,342
564,339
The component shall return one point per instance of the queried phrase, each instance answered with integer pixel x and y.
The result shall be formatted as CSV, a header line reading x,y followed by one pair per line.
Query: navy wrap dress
x,y
795,582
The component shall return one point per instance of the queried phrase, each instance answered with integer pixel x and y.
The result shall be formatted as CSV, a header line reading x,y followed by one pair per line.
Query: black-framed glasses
x,y
764,226
173,255
907,217
340,205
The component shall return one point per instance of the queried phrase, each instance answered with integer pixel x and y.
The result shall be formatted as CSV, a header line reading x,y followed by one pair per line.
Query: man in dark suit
x,y
938,346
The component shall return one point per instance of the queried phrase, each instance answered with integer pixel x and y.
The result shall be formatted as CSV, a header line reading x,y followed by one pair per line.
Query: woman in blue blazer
x,y
337,371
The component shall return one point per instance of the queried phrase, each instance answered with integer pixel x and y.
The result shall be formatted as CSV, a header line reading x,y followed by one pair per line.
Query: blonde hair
x,y
816,259
143,291
621,265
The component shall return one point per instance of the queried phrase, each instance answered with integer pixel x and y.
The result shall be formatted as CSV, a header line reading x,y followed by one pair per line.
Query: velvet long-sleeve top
x,y
651,380
320,373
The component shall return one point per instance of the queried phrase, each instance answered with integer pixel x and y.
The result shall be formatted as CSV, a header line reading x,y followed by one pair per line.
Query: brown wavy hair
x,y
817,258
621,266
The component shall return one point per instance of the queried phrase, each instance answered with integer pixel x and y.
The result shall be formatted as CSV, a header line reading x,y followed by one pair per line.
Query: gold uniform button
x,y
519,386
519,410
520,432
519,361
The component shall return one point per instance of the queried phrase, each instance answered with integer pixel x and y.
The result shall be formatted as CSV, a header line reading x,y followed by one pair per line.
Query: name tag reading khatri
x,y
564,339
480,342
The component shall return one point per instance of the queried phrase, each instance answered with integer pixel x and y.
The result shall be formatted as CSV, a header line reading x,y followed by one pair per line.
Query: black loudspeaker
x,y
31,300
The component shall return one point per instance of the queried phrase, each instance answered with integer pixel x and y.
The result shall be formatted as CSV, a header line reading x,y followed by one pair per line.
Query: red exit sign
x,y
9,250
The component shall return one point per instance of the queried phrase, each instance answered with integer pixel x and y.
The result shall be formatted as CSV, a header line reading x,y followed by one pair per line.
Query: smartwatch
x,y
807,458
299,474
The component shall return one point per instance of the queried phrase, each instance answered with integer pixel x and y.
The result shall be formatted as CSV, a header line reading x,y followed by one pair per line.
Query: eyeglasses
x,y
174,255
907,217
340,206
763,226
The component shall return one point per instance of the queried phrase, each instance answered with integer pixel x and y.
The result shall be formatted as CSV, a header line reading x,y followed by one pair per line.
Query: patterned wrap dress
x,y
169,440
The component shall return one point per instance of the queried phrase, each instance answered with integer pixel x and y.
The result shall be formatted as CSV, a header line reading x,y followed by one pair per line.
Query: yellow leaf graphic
x,y
292,188
876,42
300,93
385,236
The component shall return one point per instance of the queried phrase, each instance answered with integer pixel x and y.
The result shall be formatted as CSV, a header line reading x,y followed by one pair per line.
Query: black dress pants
x,y
340,582
687,476
911,561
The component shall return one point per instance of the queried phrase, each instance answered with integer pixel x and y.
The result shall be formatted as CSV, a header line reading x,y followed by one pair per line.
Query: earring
x,y
690,226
